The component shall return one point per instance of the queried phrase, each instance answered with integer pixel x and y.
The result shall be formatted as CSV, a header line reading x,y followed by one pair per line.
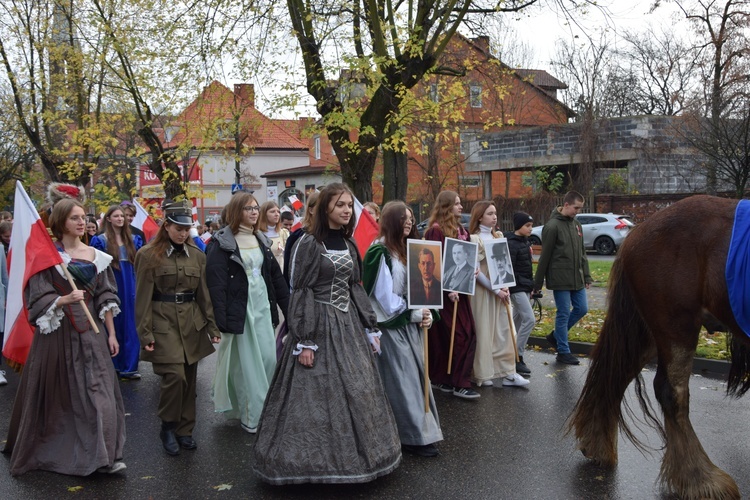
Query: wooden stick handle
x,y
426,373
82,302
453,336
512,331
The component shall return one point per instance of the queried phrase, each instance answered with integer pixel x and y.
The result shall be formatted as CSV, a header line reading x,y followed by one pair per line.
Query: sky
x,y
543,29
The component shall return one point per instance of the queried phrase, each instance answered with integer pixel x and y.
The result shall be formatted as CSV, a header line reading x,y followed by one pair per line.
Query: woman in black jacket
x,y
246,284
520,256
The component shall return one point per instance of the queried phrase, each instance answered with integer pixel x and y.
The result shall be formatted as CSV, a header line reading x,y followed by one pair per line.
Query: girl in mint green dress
x,y
246,284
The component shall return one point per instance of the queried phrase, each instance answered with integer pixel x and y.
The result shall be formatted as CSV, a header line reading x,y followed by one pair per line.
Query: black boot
x,y
168,438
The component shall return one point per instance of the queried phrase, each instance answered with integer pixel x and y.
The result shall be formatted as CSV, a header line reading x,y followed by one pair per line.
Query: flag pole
x,y
82,302
512,331
426,374
453,335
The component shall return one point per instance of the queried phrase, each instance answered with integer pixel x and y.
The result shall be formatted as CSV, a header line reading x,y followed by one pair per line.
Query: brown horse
x,y
668,273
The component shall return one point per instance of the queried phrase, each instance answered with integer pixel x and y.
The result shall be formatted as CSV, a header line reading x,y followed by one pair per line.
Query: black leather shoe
x,y
187,442
568,359
551,339
427,450
168,438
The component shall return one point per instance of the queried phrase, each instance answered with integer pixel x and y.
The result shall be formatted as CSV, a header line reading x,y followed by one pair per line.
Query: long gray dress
x,y
68,416
401,363
330,423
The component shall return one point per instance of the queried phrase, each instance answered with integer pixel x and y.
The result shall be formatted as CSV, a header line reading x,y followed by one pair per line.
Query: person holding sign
x,y
453,377
401,362
495,356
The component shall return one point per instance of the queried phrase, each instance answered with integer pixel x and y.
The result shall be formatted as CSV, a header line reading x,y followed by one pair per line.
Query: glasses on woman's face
x,y
253,208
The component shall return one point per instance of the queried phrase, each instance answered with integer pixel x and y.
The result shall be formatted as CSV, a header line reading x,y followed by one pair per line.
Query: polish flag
x,y
365,230
296,204
144,221
31,251
297,224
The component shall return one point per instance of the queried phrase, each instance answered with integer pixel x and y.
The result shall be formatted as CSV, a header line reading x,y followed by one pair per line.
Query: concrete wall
x,y
656,159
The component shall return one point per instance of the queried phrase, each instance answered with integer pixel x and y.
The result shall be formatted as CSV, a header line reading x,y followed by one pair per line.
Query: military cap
x,y
179,212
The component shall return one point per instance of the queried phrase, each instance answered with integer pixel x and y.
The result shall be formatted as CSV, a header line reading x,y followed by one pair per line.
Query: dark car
x,y
422,226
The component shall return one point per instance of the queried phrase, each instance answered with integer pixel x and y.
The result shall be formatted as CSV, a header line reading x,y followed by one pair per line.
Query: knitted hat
x,y
519,219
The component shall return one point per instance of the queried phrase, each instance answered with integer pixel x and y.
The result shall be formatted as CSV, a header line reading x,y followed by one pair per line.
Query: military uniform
x,y
175,313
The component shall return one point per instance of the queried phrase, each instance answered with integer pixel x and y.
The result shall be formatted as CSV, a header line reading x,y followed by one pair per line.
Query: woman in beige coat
x,y
175,321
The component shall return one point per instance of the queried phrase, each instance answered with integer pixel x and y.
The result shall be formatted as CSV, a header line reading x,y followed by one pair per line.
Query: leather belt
x,y
178,298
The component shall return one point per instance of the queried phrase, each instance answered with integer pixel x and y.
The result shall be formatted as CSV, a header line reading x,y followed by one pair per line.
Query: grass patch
x,y
600,270
587,330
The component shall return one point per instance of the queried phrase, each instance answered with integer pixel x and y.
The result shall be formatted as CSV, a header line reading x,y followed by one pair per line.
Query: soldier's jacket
x,y
181,331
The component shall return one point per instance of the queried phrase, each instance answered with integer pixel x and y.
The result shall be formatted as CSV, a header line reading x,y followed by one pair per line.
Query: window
x,y
434,96
466,140
475,96
317,147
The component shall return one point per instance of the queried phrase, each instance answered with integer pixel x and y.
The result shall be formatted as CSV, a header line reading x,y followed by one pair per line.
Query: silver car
x,y
601,232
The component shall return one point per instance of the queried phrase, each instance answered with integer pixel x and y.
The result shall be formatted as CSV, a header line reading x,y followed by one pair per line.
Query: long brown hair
x,y
312,202
59,216
320,228
235,210
392,220
262,224
127,238
442,214
477,212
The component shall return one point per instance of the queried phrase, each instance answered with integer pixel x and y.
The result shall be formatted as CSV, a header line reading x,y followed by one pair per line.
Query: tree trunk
x,y
394,176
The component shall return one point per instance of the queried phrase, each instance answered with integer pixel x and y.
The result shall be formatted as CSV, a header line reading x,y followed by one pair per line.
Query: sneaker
x,y
130,376
463,392
443,387
3,380
568,359
551,339
111,469
427,450
515,380
522,368
247,428
486,383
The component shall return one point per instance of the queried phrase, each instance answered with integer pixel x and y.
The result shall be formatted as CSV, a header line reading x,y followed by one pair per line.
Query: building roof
x,y
216,107
306,170
541,78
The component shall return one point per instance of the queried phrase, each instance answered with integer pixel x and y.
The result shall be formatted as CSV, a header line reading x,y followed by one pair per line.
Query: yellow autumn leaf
x,y
75,489
222,487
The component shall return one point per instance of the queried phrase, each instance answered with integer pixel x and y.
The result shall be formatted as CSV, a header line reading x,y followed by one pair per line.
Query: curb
x,y
700,365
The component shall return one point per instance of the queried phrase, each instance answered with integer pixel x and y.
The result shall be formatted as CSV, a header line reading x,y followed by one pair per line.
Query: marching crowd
x,y
319,353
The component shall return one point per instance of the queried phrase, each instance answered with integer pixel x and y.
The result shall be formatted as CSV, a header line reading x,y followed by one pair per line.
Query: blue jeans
x,y
565,318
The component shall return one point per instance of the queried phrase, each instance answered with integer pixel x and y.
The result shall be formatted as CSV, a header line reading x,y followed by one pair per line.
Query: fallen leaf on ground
x,y
75,489
222,487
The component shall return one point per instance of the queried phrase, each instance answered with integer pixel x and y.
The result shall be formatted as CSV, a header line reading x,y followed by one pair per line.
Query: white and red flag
x,y
144,222
365,230
31,251
296,204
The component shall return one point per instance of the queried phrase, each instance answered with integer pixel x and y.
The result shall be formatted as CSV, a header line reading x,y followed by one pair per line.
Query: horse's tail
x,y
624,346
738,382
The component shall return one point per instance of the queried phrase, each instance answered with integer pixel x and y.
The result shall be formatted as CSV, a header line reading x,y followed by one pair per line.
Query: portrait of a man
x,y
499,264
459,261
423,262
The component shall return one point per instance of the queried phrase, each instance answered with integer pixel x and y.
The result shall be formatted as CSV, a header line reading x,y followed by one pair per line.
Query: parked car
x,y
422,226
601,232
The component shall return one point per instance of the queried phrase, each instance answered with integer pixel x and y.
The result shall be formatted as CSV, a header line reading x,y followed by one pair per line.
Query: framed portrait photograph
x,y
424,264
499,264
459,264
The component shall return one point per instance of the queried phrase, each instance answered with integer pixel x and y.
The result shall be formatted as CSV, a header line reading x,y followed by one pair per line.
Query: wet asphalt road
x,y
507,445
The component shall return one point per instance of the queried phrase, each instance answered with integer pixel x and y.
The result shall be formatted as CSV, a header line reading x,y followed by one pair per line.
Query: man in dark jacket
x,y
523,271
564,266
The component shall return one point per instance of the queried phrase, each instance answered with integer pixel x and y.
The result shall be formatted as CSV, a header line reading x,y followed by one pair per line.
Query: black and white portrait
x,y
423,260
499,264
459,265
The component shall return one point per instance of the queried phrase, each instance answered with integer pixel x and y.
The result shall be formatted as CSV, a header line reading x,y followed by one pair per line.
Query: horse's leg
x,y
686,469
624,346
